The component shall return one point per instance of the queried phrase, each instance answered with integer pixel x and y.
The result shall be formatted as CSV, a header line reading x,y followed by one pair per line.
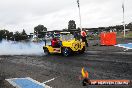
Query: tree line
x,y
18,36
7,35
40,31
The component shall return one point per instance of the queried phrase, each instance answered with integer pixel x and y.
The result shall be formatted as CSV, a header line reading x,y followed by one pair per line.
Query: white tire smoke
x,y
21,48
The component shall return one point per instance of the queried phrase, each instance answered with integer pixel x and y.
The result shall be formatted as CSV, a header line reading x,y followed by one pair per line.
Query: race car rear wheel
x,y
46,51
66,51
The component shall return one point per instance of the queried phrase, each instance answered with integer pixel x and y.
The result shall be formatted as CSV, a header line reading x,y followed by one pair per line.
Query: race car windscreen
x,y
67,37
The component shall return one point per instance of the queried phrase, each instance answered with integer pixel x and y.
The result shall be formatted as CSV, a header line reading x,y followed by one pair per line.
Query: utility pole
x,y
124,18
78,3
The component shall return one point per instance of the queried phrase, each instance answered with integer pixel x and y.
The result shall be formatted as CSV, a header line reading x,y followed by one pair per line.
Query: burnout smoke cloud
x,y
21,48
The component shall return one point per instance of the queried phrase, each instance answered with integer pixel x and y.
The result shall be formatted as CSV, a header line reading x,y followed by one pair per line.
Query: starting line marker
x,y
26,83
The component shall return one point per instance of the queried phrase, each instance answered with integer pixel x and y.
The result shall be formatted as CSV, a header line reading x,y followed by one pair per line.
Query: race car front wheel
x,y
66,51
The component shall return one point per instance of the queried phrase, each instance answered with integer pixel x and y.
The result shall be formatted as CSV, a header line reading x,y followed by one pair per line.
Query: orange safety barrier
x,y
108,38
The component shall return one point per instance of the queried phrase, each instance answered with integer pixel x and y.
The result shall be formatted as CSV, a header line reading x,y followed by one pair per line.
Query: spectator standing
x,y
83,36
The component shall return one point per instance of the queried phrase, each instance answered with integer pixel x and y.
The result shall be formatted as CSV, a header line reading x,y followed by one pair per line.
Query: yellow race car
x,y
67,45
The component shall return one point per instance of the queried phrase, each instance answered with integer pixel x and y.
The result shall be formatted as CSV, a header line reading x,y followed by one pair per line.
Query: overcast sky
x,y
16,15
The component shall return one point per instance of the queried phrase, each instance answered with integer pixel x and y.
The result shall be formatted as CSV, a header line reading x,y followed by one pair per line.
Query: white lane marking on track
x,y
50,80
119,45
17,86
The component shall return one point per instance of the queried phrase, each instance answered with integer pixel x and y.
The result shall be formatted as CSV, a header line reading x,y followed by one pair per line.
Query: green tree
x,y
23,35
71,25
40,31
23,32
17,36
4,34
130,26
